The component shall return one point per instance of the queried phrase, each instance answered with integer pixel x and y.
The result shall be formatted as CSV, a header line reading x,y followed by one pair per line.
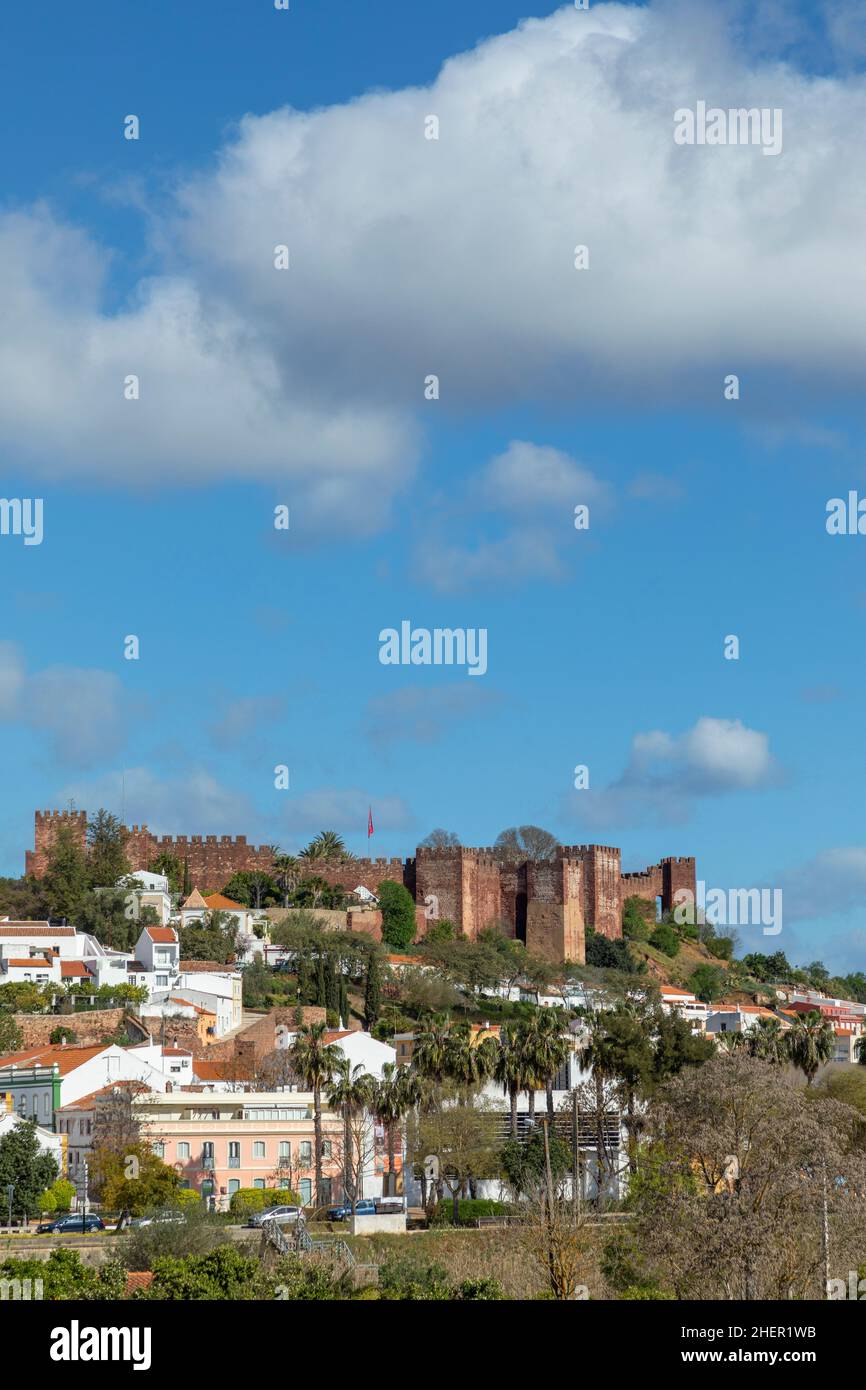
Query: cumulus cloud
x,y
193,802
453,256
666,773
423,714
531,491
82,713
833,882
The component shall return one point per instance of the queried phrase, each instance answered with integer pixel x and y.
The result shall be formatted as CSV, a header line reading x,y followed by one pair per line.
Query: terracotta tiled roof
x,y
178,999
336,1033
68,968
138,1279
208,1071
165,935
195,899
28,960
54,1054
218,903
34,929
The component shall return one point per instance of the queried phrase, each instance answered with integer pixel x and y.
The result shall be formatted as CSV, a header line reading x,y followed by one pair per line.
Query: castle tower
x,y
47,825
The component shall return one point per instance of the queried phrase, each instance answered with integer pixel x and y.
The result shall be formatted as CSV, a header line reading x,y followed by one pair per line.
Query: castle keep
x,y
546,903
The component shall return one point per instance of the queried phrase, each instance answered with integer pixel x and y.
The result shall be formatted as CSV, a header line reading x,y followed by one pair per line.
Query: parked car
x,y
76,1224
282,1215
158,1218
365,1206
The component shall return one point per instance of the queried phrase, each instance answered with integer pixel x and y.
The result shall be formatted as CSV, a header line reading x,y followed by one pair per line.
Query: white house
x,y
146,889
47,1140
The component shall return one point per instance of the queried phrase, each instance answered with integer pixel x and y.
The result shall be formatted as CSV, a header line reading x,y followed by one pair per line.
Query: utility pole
x,y
825,1229
547,1168
575,1149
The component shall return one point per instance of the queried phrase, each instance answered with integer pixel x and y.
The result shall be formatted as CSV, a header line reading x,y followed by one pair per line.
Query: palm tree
x,y
390,1102
469,1062
733,1042
315,1062
811,1043
554,1050
534,1054
430,1055
508,1070
350,1091
768,1041
327,845
287,872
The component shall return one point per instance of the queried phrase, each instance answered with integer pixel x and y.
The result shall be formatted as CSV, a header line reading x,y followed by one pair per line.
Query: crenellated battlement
x,y
546,903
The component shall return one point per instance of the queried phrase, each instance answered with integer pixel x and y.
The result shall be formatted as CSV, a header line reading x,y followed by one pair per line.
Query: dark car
x,y
365,1206
76,1224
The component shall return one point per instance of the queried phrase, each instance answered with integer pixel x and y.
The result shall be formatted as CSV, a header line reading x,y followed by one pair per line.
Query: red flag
x,y
369,821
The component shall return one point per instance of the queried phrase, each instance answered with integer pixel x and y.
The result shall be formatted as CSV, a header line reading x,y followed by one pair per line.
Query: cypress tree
x,y
344,1001
332,990
321,983
372,991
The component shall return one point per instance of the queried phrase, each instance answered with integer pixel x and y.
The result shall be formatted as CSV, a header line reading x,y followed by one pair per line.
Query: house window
x,y
325,1196
35,1106
306,1153
234,1184
285,1151
259,1183
159,1149
258,1149
161,980
326,1148
306,1191
183,1149
234,1154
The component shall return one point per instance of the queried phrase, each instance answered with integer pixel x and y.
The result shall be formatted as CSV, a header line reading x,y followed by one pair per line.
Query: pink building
x,y
222,1141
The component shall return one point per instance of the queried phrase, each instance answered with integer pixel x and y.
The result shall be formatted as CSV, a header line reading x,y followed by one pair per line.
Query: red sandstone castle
x,y
546,903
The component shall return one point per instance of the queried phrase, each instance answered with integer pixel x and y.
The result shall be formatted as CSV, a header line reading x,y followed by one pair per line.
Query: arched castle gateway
x,y
548,904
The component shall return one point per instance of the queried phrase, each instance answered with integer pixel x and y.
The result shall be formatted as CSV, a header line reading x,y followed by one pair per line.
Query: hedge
x,y
248,1199
469,1209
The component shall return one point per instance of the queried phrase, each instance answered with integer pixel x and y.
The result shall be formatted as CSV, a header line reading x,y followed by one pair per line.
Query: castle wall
x,y
548,904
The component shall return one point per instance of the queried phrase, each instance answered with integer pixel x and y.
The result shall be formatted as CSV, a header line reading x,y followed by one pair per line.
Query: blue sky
x,y
557,387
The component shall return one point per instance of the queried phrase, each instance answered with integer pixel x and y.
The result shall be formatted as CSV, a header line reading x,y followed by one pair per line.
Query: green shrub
x,y
248,1199
469,1209
665,939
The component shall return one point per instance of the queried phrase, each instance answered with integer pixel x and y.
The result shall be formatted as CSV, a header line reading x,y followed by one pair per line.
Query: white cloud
x,y
831,883
81,712
538,477
192,802
666,773
453,256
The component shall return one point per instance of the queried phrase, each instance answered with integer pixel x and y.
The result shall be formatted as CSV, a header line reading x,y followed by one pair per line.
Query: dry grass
x,y
490,1253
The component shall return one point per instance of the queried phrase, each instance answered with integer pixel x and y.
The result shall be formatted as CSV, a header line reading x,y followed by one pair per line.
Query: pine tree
x,y
106,842
332,989
65,880
321,982
372,991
